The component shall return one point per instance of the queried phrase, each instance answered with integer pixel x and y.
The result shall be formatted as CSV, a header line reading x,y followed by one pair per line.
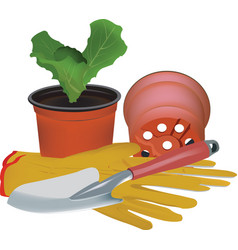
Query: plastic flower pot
x,y
68,128
166,110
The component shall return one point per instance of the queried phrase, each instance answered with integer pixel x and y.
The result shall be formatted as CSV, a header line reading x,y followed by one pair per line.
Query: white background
x,y
198,38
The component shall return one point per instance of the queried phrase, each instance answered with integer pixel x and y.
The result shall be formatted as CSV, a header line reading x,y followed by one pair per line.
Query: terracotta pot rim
x,y
115,97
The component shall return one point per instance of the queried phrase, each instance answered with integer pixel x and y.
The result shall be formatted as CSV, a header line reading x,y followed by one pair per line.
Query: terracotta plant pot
x,y
166,110
68,128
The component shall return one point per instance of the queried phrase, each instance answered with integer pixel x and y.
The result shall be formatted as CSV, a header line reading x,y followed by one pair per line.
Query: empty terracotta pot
x,y
166,110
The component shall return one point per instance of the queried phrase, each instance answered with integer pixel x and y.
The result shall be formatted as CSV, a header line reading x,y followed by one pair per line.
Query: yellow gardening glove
x,y
136,197
110,160
22,167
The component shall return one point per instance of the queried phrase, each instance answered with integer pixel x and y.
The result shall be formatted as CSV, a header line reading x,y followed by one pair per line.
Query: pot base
x,y
61,138
165,134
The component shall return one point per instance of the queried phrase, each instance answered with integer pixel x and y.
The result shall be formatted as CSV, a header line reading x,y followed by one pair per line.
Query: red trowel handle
x,y
175,159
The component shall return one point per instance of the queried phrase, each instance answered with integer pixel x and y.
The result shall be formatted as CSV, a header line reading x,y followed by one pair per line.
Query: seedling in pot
x,y
74,69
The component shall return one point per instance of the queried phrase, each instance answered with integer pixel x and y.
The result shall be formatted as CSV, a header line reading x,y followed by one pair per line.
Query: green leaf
x,y
69,73
66,64
104,47
44,45
62,52
72,68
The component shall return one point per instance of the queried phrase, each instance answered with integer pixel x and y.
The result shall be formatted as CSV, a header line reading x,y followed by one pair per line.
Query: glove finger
x,y
112,153
128,162
204,163
180,182
203,172
194,181
103,158
143,193
133,161
120,212
151,210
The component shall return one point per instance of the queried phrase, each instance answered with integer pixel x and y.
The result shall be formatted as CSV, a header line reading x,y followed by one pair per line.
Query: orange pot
x,y
68,128
166,110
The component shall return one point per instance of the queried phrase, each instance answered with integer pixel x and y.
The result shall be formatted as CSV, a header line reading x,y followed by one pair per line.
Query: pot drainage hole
x,y
161,127
167,145
147,135
189,141
179,128
145,153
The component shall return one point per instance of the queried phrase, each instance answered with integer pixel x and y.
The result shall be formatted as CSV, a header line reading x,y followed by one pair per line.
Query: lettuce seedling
x,y
72,68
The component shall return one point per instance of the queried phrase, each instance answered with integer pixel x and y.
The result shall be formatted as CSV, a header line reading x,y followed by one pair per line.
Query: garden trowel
x,y
82,190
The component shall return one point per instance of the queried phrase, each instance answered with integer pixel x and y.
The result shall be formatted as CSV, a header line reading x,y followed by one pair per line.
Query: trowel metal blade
x,y
46,205
52,195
